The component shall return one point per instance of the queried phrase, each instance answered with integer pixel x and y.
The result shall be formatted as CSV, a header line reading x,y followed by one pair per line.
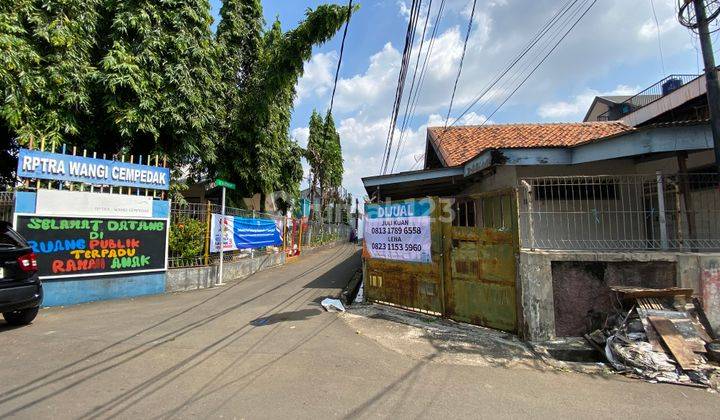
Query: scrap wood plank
x,y
702,318
682,353
685,324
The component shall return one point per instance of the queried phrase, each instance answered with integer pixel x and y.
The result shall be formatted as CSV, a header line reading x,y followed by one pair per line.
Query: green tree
x,y
334,159
160,80
46,68
257,150
112,76
324,155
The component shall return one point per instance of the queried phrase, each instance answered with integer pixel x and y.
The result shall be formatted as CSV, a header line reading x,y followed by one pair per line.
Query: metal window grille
x,y
626,212
7,206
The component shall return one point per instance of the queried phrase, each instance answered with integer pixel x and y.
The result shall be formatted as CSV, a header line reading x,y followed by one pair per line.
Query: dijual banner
x,y
398,231
243,233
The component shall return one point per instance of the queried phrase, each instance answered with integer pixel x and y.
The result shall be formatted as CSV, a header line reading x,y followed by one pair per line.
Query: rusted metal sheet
x,y
481,276
410,285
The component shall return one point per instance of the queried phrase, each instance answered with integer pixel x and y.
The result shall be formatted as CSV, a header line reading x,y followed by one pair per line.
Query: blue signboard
x,y
58,167
399,209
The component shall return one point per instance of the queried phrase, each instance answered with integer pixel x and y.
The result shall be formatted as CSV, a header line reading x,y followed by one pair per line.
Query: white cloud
x,y
318,77
577,108
615,36
301,135
371,92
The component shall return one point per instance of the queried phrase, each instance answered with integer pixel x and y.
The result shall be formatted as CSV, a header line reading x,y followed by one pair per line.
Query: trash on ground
x,y
660,335
332,305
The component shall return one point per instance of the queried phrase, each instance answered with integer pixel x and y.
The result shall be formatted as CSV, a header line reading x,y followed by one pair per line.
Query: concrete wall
x,y
184,279
701,272
581,290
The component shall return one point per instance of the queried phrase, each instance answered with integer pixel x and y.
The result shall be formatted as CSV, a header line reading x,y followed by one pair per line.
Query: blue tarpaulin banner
x,y
243,233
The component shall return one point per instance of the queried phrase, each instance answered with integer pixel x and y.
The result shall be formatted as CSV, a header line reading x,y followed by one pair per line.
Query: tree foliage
x,y
149,77
324,152
111,75
257,149
46,67
159,79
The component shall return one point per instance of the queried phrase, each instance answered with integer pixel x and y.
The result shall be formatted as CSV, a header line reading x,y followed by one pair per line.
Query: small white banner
x,y
78,203
221,231
398,231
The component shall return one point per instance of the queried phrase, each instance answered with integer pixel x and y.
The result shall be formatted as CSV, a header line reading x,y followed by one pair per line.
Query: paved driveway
x,y
264,348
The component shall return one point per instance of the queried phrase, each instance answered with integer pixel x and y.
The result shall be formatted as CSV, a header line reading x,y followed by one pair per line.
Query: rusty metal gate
x,y
472,275
480,270
413,286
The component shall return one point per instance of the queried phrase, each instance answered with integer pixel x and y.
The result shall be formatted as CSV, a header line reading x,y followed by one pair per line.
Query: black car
x,y
20,288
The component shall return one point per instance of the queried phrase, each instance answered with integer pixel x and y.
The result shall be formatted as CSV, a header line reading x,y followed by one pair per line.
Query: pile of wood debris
x,y
660,335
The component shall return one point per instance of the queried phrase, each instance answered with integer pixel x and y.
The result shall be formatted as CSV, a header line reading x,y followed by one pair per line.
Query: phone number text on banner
x,y
398,231
243,233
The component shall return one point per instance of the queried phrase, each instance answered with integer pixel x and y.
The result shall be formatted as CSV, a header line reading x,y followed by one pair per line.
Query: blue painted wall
x,y
71,292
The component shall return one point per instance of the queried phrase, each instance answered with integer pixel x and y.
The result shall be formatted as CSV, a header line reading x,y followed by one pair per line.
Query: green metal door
x,y
481,263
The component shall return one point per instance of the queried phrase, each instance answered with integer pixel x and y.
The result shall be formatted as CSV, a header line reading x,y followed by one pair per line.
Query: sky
x,y
618,48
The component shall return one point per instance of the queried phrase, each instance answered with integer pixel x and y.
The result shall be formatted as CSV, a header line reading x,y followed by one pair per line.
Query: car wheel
x,y
21,317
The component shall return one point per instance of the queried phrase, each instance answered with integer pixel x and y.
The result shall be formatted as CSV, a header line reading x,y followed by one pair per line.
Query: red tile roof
x,y
457,145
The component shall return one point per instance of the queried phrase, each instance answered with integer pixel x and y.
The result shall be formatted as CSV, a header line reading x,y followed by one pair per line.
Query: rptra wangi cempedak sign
x,y
59,167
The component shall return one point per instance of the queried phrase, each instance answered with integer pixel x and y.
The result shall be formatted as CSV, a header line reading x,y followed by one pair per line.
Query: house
x,y
534,222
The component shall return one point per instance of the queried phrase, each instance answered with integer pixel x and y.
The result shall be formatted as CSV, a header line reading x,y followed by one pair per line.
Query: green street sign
x,y
223,183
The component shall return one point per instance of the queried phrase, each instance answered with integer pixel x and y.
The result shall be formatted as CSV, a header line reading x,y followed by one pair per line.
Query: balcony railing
x,y
647,96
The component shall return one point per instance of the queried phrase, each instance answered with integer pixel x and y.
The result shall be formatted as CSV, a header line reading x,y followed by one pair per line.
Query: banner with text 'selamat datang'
x,y
243,233
398,231
91,246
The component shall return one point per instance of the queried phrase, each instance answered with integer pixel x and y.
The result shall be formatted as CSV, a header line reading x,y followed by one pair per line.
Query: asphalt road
x,y
264,348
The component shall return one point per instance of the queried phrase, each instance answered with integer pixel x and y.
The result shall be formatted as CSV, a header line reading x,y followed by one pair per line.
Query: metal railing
x,y
190,227
7,206
648,96
190,234
316,233
624,212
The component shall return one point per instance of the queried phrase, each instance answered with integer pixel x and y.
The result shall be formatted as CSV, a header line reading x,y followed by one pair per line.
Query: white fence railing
x,y
623,212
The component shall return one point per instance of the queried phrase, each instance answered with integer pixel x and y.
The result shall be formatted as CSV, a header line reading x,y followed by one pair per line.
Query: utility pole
x,y
711,77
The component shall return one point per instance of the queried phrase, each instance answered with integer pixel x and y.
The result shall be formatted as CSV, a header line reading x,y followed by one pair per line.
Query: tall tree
x,y
324,154
314,154
257,150
160,79
46,68
334,166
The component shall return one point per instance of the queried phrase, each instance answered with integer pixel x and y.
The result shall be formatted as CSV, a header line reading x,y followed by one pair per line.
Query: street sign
x,y
226,184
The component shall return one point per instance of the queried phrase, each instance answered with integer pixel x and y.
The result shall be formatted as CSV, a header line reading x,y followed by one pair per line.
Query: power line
x,y
416,97
524,52
573,17
541,61
409,40
657,26
550,25
462,59
342,49
413,89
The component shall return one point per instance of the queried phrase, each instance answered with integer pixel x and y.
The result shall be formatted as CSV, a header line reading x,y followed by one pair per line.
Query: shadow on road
x,y
300,315
341,257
